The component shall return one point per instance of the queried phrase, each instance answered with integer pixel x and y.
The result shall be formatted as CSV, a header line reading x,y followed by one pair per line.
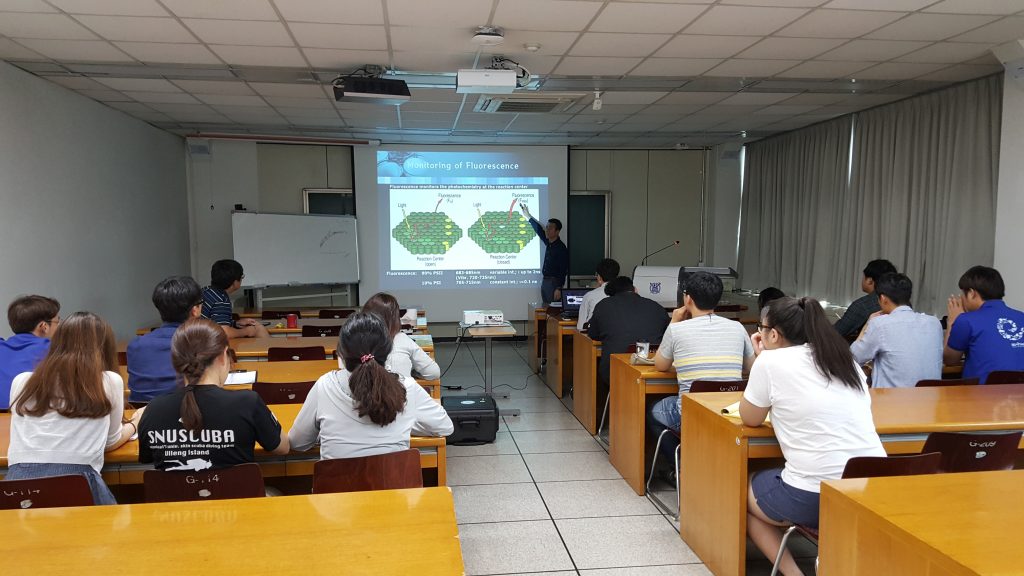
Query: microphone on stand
x,y
674,243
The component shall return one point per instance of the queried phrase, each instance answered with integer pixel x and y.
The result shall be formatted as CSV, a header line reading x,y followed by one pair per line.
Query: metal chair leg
x,y
676,515
604,414
654,461
782,549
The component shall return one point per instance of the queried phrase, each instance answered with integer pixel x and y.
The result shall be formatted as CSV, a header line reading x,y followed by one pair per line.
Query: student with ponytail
x,y
70,409
364,409
201,425
820,409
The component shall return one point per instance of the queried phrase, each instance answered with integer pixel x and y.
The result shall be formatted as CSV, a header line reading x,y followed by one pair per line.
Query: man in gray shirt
x,y
906,346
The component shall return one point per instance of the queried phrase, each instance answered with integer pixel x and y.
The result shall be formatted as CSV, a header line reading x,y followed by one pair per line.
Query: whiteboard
x,y
283,249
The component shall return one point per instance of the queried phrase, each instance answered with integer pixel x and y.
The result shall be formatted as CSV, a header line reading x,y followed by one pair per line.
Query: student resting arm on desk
x,y
821,414
364,409
225,279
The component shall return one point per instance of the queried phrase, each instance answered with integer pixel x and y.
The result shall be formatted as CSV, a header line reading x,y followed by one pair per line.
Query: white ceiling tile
x,y
409,38
889,5
105,95
291,112
25,6
670,109
1001,7
897,71
223,9
554,15
838,23
414,106
451,13
111,7
308,103
344,60
77,50
947,53
724,111
986,60
591,66
645,18
789,48
214,87
231,100
696,46
872,50
537,65
174,109
703,98
930,27
435,117
230,109
333,11
1000,31
137,28
743,20
752,98
339,36
551,43
46,26
201,117
632,97
675,66
961,72
751,68
77,82
161,97
258,119
786,109
288,90
607,44
169,53
778,3
613,109
816,99
260,55
130,107
240,33
819,69
432,62
9,50
139,84
435,95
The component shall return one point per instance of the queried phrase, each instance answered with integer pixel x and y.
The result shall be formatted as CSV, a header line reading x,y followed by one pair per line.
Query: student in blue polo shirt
x,y
33,319
983,327
226,279
150,373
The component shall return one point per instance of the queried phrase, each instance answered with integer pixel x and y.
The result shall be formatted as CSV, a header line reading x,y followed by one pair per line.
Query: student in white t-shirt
x,y
607,270
821,413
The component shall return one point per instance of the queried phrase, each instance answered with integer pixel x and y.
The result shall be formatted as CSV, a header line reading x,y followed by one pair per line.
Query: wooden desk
x,y
559,353
934,525
716,453
586,353
309,312
122,466
350,533
420,328
536,338
627,415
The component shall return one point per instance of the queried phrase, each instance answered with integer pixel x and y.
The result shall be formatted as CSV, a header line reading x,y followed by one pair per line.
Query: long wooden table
x,y
586,353
934,525
627,415
718,453
558,367
385,532
313,312
256,348
122,466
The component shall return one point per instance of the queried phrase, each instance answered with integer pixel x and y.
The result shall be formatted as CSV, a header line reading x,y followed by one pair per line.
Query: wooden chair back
x,y
321,331
278,314
381,472
948,382
278,393
879,466
1005,377
964,452
335,314
283,354
242,481
51,492
718,386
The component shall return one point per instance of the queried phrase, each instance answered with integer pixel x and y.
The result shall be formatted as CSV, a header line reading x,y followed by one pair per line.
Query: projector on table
x,y
483,318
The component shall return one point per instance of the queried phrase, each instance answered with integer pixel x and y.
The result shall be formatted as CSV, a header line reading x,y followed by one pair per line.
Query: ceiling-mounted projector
x,y
488,81
371,90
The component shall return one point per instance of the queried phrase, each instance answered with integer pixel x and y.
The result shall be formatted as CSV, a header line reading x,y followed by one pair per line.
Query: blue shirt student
x,y
150,372
906,346
992,337
19,353
217,306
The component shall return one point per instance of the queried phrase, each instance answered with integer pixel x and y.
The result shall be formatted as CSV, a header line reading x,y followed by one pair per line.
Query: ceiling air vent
x,y
536,102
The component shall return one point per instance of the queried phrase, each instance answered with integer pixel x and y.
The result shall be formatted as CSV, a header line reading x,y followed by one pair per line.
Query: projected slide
x,y
454,219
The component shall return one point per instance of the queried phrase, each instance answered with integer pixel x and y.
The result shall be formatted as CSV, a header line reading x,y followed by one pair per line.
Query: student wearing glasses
x,y
225,279
33,319
150,373
805,375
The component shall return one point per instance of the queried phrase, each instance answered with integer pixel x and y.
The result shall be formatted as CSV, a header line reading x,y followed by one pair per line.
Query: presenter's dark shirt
x,y
556,256
623,319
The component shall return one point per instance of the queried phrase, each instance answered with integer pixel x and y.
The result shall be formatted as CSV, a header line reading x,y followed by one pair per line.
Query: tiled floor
x,y
543,498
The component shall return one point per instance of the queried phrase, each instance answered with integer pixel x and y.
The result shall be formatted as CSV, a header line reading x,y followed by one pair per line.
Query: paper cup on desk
x,y
293,321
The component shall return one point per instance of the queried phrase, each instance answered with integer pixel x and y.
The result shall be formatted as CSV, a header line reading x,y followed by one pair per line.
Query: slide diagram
x,y
427,232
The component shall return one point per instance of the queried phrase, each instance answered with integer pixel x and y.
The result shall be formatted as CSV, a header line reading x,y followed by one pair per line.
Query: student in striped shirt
x,y
699,345
226,279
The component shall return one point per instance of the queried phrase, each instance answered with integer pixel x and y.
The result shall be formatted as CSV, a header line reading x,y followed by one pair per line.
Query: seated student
x,y
622,319
216,428
225,279
906,346
69,410
150,372
406,358
607,270
364,409
699,345
856,315
767,295
33,320
821,413
983,327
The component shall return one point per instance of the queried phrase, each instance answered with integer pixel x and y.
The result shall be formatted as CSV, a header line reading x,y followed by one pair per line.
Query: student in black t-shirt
x,y
201,425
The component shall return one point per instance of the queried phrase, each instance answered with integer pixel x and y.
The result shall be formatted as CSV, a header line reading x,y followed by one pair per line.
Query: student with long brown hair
x,y
201,425
806,376
364,409
406,357
69,410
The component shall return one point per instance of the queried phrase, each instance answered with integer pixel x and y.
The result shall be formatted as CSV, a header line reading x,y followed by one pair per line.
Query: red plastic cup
x,y
293,321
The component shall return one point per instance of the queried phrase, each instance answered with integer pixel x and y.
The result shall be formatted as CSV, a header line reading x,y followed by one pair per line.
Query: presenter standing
x,y
556,257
